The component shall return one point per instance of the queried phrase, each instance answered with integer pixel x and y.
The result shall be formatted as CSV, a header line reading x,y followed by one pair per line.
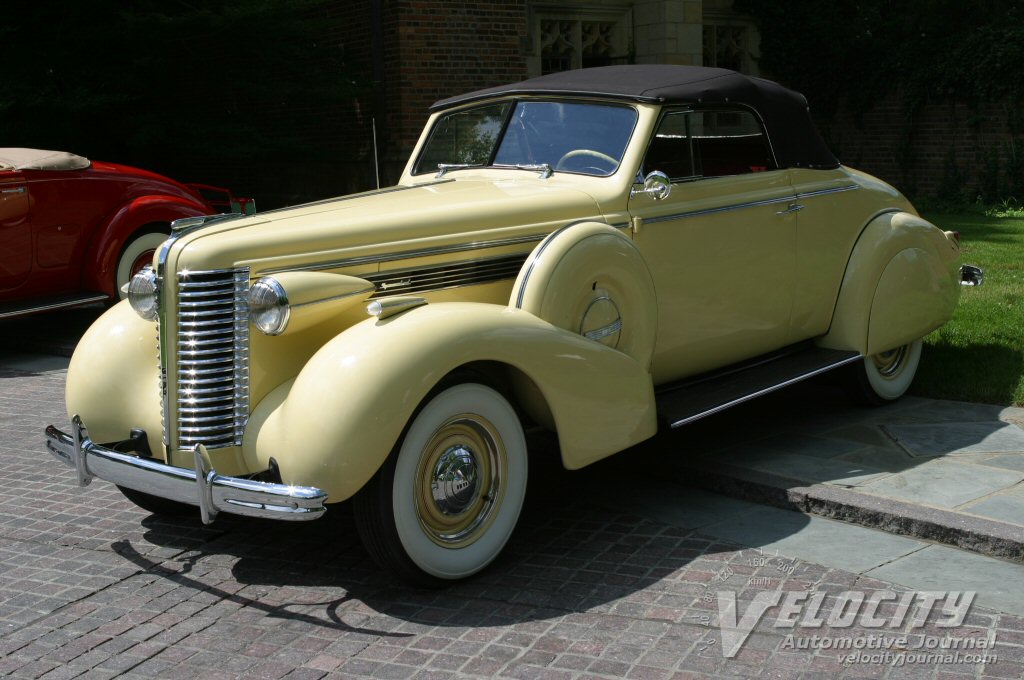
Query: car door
x,y
830,221
67,206
721,245
15,231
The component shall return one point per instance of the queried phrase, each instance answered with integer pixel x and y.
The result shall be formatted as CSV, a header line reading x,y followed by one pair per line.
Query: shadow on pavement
x,y
56,332
578,548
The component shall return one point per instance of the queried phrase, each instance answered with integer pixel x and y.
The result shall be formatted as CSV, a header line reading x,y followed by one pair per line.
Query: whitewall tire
x,y
886,376
136,254
448,498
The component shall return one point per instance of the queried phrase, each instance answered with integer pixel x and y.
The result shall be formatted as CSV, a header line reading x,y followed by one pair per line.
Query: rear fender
x,y
337,421
901,283
130,218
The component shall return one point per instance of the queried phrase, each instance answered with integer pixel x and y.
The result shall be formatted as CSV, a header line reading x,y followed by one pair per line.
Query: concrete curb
x,y
968,532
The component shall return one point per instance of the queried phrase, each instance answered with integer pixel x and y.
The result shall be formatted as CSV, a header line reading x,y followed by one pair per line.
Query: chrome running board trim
x,y
698,399
52,304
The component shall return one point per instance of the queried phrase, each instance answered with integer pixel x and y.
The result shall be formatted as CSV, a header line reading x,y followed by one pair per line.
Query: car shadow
x,y
53,334
580,546
622,535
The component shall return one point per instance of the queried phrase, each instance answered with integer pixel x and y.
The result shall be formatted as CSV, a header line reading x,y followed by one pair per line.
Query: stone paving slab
x,y
945,483
898,559
997,582
948,439
815,539
1003,507
1012,461
914,467
809,469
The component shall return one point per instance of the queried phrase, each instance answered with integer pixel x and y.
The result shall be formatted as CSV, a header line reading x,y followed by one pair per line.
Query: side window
x,y
690,145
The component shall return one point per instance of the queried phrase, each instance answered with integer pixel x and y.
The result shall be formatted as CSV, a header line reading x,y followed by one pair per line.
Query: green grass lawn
x,y
979,354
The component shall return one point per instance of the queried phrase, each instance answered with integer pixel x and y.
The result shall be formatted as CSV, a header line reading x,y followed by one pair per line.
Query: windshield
x,y
573,137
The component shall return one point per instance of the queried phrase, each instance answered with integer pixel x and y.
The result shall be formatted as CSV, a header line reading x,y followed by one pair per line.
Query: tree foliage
x,y
863,50
134,81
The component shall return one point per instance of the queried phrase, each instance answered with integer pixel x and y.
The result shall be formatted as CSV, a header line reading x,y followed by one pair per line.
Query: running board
x,y
14,309
695,399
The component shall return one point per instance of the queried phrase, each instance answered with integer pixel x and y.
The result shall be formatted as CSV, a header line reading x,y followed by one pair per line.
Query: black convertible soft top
x,y
785,113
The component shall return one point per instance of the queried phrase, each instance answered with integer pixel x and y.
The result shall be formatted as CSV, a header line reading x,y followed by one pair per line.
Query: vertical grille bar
x,y
212,348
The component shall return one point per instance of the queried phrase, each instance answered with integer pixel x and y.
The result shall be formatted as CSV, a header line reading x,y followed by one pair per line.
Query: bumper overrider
x,y
202,486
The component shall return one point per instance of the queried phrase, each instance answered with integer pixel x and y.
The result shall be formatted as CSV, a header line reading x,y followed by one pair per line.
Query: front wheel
x,y
445,502
886,376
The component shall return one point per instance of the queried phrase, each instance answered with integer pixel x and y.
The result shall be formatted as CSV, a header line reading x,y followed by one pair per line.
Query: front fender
x,y
902,282
113,380
129,218
337,421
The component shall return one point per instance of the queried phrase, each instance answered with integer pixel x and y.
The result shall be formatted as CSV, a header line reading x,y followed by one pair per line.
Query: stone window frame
x,y
717,23
617,16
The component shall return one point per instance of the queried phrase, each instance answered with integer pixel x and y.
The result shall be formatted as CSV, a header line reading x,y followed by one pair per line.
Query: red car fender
x,y
110,240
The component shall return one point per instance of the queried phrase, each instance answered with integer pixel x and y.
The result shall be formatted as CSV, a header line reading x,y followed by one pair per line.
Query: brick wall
x,y
439,48
430,49
945,147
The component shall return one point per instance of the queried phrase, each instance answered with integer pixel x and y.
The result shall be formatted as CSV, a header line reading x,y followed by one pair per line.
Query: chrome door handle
x,y
793,207
16,190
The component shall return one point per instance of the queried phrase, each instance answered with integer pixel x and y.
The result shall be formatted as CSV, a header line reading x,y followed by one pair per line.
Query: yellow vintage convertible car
x,y
594,252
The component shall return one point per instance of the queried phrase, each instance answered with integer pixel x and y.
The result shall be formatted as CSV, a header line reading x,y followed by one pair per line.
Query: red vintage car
x,y
74,231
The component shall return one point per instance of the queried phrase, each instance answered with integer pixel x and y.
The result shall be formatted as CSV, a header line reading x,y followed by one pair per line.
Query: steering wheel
x,y
580,153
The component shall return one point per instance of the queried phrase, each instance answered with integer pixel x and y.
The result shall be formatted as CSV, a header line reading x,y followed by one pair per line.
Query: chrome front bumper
x,y
202,486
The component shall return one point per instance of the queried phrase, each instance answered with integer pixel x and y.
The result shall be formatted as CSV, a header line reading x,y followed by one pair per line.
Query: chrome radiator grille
x,y
212,347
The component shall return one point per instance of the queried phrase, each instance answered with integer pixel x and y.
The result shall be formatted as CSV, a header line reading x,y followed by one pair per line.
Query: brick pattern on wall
x,y
439,48
949,145
431,49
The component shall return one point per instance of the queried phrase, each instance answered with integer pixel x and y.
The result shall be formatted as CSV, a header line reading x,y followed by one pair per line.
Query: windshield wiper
x,y
445,167
543,168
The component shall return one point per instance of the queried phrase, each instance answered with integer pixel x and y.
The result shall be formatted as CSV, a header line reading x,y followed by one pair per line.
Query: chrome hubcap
x,y
890,363
454,484
459,480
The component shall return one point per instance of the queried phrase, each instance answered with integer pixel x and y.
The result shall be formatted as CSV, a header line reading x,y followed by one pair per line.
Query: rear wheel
x,y
136,254
447,499
886,376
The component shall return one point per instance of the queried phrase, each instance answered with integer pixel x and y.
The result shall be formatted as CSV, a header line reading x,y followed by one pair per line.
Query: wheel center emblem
x,y
454,482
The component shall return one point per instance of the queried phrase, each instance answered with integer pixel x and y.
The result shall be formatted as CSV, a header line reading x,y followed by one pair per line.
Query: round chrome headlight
x,y
143,294
268,306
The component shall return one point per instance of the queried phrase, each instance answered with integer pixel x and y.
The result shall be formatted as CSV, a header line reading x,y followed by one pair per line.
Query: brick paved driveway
x,y
91,587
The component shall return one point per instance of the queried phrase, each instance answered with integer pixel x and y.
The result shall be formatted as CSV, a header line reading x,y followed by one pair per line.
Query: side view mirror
x,y
657,185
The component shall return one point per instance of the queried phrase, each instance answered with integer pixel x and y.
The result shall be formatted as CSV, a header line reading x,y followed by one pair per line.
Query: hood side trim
x,y
404,254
